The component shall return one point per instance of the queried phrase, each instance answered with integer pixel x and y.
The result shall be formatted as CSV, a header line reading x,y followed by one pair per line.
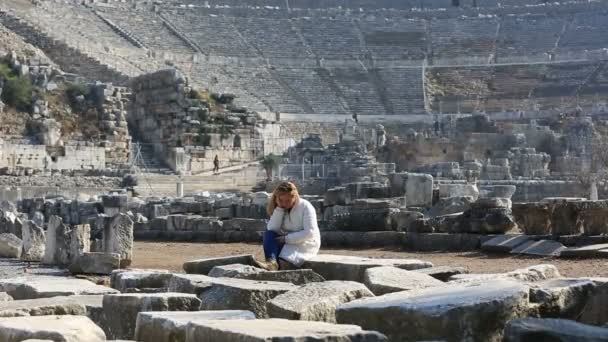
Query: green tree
x,y
269,163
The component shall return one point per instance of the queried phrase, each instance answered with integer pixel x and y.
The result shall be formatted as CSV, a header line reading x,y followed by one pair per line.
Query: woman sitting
x,y
292,235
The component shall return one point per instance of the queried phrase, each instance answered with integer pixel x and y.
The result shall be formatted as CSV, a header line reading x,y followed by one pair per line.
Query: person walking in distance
x,y
216,164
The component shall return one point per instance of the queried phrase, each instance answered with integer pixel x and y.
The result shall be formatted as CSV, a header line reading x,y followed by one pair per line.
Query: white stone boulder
x,y
242,294
118,238
316,301
61,305
204,266
561,297
341,267
277,330
34,241
190,283
459,312
10,246
297,277
123,280
387,279
170,326
50,286
55,328
419,190
528,275
121,309
558,330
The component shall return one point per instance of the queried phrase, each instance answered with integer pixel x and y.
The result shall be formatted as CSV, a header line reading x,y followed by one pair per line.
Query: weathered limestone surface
x,y
10,245
504,243
443,273
338,267
296,277
533,218
561,297
278,330
383,280
118,238
169,326
242,294
121,309
96,263
49,286
34,241
535,329
529,274
56,328
316,301
139,279
471,312
60,305
204,266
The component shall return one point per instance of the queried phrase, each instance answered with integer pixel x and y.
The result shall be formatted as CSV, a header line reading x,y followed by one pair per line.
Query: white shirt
x,y
303,239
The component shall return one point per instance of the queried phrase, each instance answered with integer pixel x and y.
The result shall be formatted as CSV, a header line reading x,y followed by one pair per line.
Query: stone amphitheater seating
x,y
528,39
473,38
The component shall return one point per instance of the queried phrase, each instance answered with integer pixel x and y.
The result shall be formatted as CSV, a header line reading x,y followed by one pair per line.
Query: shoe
x,y
286,265
268,265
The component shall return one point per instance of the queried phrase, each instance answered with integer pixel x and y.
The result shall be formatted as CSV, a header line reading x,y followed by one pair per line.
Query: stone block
x,y
501,191
443,273
242,294
56,328
388,279
96,263
561,297
334,196
451,312
296,277
526,275
594,215
532,218
123,280
316,301
167,326
121,310
224,213
565,218
118,238
591,251
419,190
50,286
536,329
190,283
504,243
59,305
57,245
203,266
458,190
277,330
244,224
10,246
545,248
404,219
338,267
34,241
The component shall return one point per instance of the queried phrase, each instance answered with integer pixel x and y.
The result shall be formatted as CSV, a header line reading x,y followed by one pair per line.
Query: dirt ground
x,y
171,256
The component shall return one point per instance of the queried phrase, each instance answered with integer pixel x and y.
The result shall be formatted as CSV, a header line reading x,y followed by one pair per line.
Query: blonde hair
x,y
281,189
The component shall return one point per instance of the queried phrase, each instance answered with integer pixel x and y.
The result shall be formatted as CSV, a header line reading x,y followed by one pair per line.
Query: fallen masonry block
x,y
339,267
96,263
170,326
536,329
316,301
10,246
590,251
387,279
296,277
561,297
277,330
50,286
123,280
56,328
443,273
459,312
504,243
61,305
121,309
242,294
204,266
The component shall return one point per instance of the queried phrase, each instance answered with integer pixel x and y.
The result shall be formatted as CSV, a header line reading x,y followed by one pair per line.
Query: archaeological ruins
x,y
453,154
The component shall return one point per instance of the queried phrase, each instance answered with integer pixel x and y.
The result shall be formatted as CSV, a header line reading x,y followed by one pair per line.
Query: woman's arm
x,y
276,220
310,226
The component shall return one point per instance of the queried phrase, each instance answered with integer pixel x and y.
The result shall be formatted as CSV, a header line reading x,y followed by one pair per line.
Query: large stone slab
x,y
34,241
49,286
545,248
204,266
339,267
96,263
123,280
61,305
533,218
558,330
443,273
242,294
469,312
190,283
296,277
591,251
278,330
504,243
118,238
388,279
168,326
56,328
10,246
57,244
528,274
316,301
561,297
595,312
121,309
419,190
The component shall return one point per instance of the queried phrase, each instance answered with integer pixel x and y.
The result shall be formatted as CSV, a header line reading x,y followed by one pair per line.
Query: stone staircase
x,y
241,178
147,161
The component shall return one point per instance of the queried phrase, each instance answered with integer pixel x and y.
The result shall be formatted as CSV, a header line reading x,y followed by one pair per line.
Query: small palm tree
x,y
269,163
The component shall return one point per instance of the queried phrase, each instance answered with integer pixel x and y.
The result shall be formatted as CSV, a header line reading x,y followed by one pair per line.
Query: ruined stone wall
x,y
39,157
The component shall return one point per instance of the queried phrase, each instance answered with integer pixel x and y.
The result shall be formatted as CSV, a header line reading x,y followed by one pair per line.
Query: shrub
x,y
17,92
